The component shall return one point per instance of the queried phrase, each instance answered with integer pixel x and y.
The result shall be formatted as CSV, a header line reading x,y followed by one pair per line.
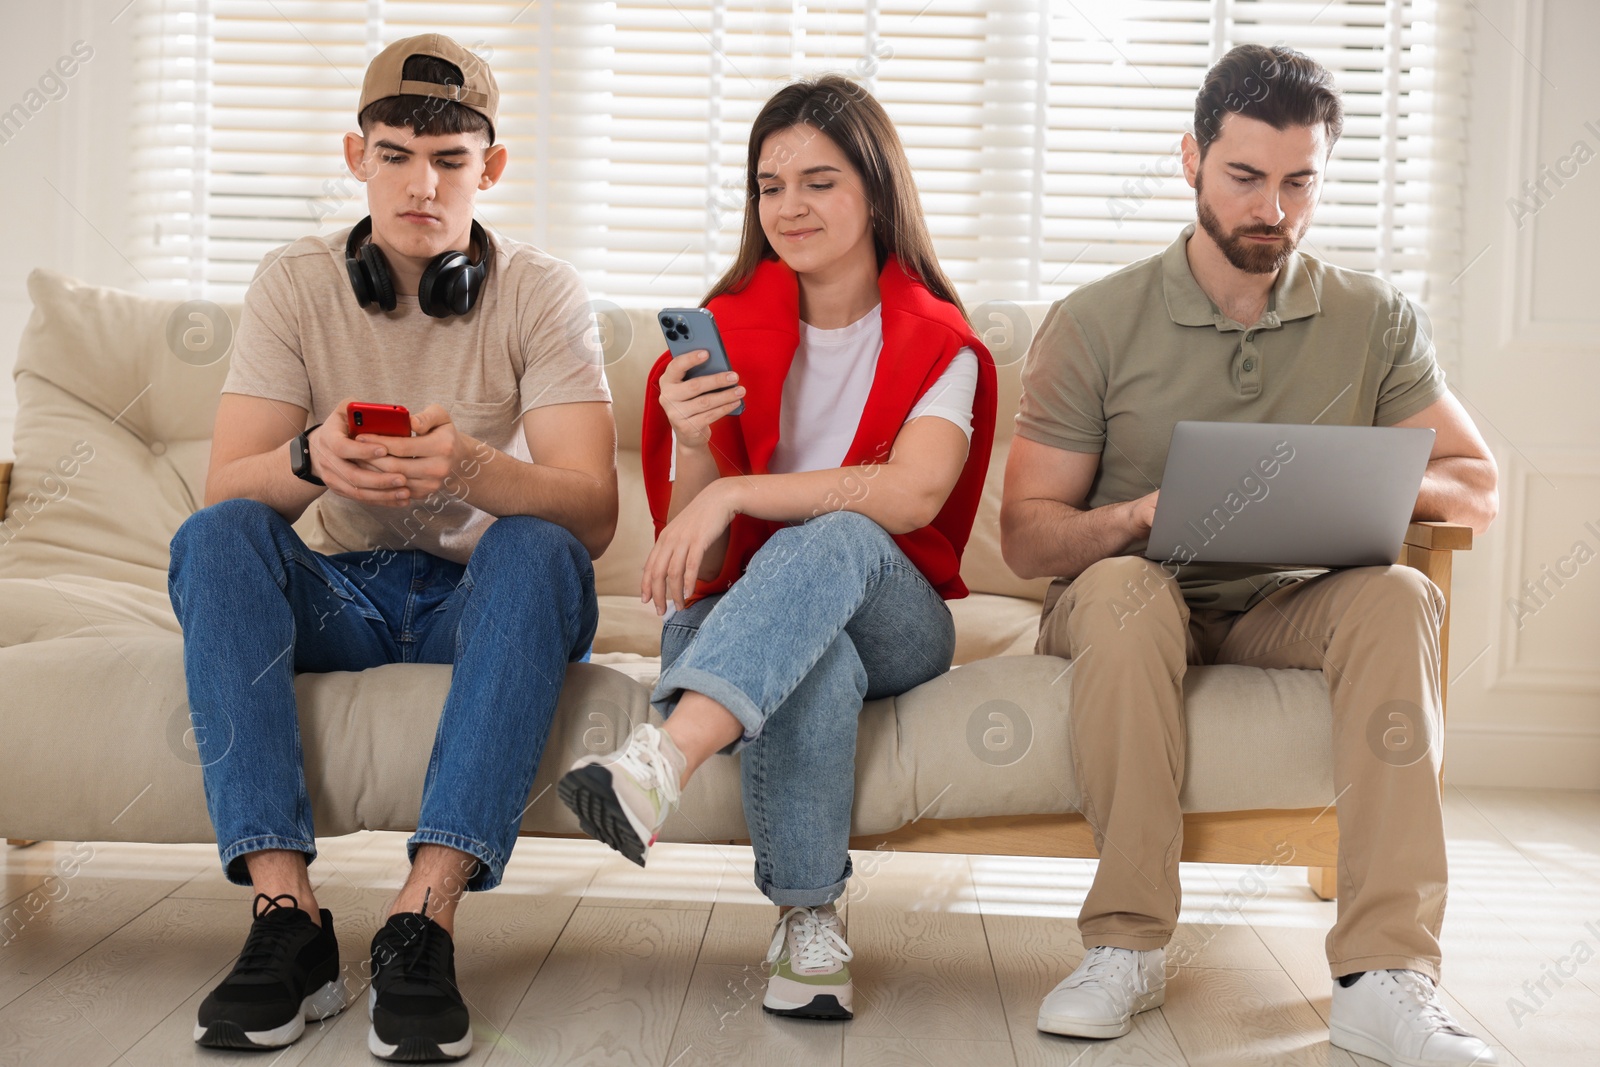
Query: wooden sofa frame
x,y
1247,837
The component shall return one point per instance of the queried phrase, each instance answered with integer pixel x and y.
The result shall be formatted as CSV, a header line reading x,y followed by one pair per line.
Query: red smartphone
x,y
386,420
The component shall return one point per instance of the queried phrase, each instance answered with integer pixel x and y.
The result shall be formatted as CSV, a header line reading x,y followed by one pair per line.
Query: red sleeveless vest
x,y
759,325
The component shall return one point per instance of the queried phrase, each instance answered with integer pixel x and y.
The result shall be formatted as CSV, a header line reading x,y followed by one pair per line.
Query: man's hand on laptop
x,y
1142,513
345,464
426,460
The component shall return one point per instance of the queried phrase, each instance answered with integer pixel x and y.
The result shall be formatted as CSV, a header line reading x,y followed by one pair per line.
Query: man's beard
x,y
1243,253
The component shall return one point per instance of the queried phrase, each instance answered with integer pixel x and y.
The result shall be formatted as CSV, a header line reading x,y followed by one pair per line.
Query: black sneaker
x,y
288,972
417,1012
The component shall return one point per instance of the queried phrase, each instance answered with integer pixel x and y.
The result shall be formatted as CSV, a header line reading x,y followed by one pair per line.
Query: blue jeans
x,y
827,615
257,605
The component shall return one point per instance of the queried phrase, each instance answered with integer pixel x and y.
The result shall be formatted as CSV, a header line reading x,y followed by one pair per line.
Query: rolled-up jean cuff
x,y
233,867
491,865
804,898
675,679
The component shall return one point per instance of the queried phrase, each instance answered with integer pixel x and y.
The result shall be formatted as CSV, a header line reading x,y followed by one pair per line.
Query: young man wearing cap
x,y
1232,323
467,543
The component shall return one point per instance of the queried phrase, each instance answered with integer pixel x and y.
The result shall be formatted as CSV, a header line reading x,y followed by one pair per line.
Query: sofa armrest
x,y
1449,536
1428,547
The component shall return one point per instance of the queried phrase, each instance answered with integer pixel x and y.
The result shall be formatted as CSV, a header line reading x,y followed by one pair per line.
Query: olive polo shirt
x,y
1121,360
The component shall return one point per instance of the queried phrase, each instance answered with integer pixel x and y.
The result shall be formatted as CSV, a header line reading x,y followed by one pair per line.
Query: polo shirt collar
x,y
1293,296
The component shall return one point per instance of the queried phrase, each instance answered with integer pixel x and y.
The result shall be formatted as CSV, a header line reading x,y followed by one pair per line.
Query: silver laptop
x,y
1304,496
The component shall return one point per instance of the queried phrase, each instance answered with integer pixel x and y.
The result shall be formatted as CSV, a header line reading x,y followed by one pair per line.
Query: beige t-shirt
x,y
525,344
1120,361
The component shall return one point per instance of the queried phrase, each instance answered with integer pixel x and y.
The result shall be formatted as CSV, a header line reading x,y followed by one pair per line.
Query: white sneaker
x,y
1109,987
1396,1017
808,965
623,799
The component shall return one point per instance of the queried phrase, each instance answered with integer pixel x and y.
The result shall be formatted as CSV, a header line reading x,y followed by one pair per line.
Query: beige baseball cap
x,y
480,93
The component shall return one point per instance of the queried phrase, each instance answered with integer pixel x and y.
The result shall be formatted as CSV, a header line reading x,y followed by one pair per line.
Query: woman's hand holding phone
x,y
698,387
342,463
693,404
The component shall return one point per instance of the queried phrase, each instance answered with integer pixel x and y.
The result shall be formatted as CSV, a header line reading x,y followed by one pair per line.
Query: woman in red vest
x,y
805,547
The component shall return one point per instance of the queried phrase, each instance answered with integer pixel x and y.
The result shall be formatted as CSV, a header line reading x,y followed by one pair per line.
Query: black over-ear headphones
x,y
449,286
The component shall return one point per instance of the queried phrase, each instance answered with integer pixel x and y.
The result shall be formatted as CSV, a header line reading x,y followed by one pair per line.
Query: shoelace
x,y
648,765
265,943
1431,1012
1099,964
817,941
421,957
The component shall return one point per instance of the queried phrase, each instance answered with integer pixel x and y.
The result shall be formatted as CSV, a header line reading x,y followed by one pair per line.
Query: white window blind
x,y
241,105
1043,134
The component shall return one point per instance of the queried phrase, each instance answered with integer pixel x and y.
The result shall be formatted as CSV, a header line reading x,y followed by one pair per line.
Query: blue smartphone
x,y
691,329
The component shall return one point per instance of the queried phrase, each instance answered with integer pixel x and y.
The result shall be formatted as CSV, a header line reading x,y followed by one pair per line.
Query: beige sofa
x,y
111,447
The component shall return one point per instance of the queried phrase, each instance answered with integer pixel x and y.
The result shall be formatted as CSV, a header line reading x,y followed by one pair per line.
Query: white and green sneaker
x,y
622,799
809,966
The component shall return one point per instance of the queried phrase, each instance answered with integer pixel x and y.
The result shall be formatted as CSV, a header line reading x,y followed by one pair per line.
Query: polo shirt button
x,y
1249,364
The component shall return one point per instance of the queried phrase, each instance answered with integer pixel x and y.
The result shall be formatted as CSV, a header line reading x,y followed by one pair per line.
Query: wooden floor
x,y
580,958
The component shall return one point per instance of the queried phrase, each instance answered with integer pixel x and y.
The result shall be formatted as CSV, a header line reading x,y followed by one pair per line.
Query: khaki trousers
x,y
1374,634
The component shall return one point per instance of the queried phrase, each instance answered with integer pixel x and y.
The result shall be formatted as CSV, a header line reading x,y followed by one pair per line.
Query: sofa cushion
x,y
112,436
988,625
100,746
617,571
628,625
69,605
982,567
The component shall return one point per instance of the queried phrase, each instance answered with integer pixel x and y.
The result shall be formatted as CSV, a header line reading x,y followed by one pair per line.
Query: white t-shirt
x,y
826,391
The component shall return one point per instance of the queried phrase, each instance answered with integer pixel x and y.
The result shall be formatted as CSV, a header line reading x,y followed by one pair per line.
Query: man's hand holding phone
x,y
424,460
345,464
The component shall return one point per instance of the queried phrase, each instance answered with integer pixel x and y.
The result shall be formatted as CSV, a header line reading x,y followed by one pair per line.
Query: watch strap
x,y
302,469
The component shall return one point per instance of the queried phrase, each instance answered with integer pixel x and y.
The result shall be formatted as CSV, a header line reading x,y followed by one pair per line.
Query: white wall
x,y
62,174
1525,700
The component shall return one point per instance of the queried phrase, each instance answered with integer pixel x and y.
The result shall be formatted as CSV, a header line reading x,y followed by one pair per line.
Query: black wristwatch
x,y
300,457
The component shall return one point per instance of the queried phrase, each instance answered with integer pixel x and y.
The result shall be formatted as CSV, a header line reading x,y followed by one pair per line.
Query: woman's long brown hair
x,y
852,119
